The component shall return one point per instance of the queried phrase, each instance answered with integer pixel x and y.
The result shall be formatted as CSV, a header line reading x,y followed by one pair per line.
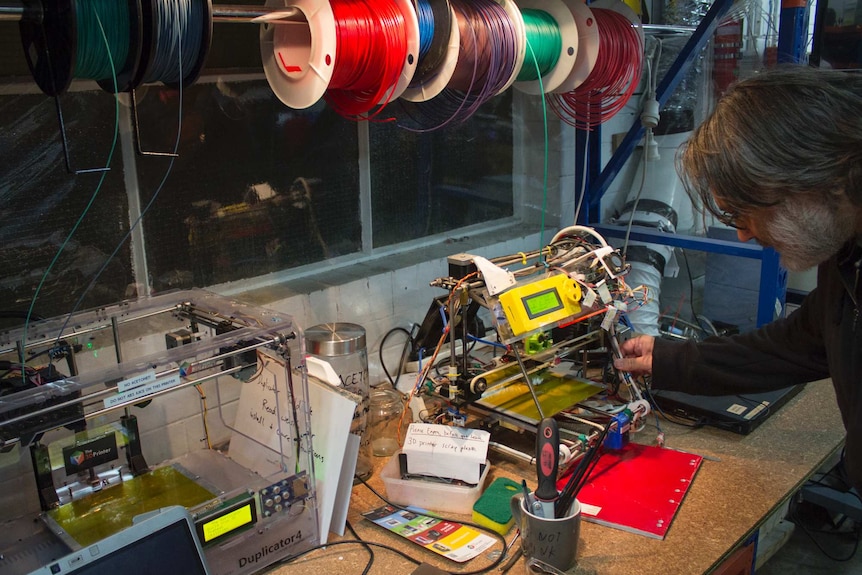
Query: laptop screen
x,y
163,543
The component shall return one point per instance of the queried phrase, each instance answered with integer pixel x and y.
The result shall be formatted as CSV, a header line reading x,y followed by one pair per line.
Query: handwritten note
x,y
262,433
446,451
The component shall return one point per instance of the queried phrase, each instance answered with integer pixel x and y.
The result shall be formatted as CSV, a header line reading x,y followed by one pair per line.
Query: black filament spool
x,y
50,44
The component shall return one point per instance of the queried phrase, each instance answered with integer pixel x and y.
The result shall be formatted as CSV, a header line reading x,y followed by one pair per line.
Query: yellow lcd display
x,y
542,303
211,529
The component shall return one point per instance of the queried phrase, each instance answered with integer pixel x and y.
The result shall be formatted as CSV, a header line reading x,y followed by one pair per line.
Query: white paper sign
x,y
256,445
446,451
143,391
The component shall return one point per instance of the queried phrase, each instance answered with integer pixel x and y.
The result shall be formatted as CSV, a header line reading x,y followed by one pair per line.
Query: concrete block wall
x,y
381,301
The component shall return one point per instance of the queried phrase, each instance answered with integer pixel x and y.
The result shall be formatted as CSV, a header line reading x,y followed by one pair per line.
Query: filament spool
x,y
588,46
127,72
615,76
488,48
568,49
469,37
517,20
436,81
373,46
51,46
478,81
411,26
437,21
544,43
299,57
152,42
625,10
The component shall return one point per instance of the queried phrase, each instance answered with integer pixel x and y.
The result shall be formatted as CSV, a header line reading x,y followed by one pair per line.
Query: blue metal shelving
x,y
772,276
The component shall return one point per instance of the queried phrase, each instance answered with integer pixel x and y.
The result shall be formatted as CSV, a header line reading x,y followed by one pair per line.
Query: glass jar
x,y
384,417
343,346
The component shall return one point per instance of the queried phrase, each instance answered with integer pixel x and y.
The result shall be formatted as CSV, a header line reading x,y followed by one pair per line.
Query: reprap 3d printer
x,y
556,312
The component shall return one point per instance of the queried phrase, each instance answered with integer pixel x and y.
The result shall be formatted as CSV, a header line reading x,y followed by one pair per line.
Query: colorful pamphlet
x,y
450,539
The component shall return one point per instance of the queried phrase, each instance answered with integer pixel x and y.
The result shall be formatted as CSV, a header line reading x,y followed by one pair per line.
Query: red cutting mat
x,y
638,488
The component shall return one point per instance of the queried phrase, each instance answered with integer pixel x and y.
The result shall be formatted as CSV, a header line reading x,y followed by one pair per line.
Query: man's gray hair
x,y
789,131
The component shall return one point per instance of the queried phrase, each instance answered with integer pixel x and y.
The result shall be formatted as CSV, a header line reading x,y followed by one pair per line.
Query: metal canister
x,y
343,346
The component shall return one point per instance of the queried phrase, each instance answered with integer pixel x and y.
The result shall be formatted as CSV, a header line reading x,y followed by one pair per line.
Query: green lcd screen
x,y
542,303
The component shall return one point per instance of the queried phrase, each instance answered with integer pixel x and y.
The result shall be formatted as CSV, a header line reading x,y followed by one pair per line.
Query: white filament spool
x,y
411,24
298,57
588,46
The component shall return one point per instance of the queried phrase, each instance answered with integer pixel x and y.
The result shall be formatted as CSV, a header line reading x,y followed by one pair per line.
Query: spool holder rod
x,y
13,10
17,10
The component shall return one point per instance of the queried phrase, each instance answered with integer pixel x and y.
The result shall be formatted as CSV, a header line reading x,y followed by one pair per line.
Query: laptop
x,y
737,413
162,542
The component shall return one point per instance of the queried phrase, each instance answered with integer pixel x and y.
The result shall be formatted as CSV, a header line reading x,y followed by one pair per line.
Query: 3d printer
x,y
553,310
132,408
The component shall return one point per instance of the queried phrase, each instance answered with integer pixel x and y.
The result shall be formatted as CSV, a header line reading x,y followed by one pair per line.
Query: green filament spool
x,y
545,41
103,38
64,41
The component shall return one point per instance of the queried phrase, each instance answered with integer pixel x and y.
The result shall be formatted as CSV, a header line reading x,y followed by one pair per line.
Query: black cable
x,y
693,423
502,539
810,533
691,293
367,547
404,352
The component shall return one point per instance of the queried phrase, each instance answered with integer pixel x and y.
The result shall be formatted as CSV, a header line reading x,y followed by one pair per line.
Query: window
x,y
41,203
433,182
256,188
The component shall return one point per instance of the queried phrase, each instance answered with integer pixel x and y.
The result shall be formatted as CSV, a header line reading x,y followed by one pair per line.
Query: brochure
x,y
447,538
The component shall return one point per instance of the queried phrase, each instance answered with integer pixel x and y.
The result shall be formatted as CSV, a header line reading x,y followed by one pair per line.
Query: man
x,y
780,159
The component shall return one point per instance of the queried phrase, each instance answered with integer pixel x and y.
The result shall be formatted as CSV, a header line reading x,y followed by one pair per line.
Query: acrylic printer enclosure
x,y
113,413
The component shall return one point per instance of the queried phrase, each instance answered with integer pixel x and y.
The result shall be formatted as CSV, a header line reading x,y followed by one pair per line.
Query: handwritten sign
x,y
446,451
262,438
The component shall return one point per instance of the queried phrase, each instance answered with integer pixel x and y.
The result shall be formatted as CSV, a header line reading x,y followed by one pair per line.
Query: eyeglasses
x,y
730,219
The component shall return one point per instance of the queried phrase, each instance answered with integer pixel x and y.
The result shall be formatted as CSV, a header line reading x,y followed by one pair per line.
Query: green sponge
x,y
492,509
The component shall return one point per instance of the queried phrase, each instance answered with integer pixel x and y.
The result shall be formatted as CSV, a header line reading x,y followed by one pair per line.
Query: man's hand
x,y
637,355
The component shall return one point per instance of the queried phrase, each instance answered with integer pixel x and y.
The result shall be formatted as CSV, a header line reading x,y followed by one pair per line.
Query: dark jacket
x,y
823,338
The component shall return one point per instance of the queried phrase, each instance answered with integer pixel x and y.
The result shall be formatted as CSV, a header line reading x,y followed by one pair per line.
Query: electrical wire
x,y
408,343
363,543
367,547
857,533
